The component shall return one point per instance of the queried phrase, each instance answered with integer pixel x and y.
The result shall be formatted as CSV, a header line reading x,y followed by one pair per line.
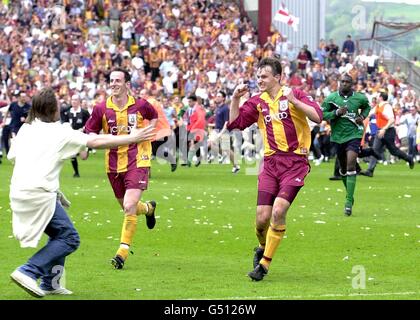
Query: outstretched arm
x,y
104,141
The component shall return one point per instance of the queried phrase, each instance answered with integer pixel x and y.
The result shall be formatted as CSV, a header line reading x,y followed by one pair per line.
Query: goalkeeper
x,y
346,110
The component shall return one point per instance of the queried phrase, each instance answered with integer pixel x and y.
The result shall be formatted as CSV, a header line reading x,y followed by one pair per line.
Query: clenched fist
x,y
240,90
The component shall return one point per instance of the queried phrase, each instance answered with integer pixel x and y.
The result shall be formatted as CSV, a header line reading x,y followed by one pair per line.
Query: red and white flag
x,y
284,16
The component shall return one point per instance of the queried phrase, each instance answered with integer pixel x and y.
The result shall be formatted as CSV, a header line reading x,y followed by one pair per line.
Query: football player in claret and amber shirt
x,y
127,166
280,113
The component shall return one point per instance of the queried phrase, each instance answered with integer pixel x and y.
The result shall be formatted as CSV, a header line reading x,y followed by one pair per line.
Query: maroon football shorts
x,y
132,179
281,176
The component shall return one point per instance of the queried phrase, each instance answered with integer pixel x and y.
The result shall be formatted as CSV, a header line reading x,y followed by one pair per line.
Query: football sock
x,y
127,234
75,165
344,178
261,235
142,208
191,154
123,251
274,236
351,185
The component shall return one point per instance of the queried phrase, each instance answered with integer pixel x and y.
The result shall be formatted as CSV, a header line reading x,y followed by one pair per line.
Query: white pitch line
x,y
327,295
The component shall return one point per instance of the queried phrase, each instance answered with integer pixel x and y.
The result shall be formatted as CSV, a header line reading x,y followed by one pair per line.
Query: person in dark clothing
x,y
332,48
385,137
349,45
308,53
363,153
223,135
18,112
77,117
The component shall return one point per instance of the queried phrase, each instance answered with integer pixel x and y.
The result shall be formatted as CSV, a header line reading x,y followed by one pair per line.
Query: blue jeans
x,y
412,146
48,263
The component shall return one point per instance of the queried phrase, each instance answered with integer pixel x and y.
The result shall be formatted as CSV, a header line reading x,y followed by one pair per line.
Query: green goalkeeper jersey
x,y
345,128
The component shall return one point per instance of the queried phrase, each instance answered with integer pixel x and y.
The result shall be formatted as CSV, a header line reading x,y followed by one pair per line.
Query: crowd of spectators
x,y
173,49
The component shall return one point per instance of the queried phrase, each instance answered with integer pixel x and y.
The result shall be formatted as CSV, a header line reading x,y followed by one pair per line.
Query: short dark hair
x,y
384,95
127,76
274,63
222,93
44,106
347,77
193,97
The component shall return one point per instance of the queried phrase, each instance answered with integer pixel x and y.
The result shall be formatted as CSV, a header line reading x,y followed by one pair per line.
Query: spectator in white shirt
x,y
127,32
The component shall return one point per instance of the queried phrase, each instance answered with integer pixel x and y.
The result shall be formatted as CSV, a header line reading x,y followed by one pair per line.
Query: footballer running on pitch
x,y
128,166
281,115
346,110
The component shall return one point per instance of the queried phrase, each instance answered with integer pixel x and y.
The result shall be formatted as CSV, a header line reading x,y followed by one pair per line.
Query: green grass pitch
x,y
202,245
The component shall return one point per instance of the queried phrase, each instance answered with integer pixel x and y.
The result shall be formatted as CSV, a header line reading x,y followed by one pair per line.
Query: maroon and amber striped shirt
x,y
284,128
111,119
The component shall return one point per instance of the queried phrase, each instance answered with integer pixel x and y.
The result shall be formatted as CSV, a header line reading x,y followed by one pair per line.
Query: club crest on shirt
x,y
132,119
283,105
